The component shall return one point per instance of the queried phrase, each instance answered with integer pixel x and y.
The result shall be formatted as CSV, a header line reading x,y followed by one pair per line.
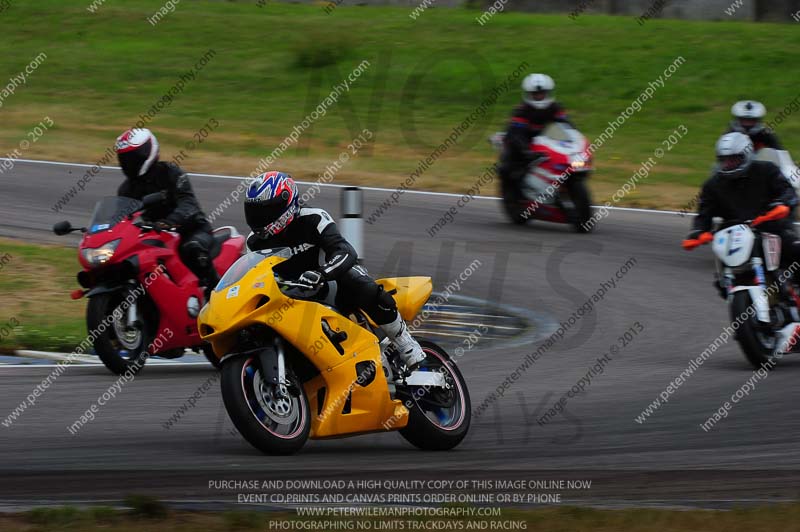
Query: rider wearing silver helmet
x,y
320,254
741,188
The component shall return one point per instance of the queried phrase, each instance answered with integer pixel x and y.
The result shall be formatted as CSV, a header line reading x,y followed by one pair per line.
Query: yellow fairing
x,y
412,293
343,399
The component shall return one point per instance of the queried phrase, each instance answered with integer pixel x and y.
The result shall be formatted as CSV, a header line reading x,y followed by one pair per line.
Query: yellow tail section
x,y
412,293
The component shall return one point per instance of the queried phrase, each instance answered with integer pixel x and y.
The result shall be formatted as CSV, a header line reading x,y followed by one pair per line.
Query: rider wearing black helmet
x,y
137,151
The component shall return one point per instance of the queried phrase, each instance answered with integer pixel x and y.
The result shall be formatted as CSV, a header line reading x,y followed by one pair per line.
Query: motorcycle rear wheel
x,y
437,422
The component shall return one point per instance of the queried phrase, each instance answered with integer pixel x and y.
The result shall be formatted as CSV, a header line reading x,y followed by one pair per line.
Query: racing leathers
x,y
759,190
181,210
317,246
762,137
526,123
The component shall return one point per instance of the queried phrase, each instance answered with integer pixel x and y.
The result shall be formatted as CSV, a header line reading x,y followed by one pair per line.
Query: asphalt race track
x,y
753,454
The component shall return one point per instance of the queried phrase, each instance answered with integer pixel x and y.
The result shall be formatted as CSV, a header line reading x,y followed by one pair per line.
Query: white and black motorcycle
x,y
764,300
782,160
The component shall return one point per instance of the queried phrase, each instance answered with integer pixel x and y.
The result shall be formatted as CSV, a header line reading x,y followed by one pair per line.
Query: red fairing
x,y
167,281
559,160
559,164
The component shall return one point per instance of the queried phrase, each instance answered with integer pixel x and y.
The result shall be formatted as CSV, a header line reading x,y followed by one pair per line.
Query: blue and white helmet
x,y
271,203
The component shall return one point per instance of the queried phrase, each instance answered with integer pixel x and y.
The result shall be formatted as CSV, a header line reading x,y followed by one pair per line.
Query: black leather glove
x,y
694,235
311,280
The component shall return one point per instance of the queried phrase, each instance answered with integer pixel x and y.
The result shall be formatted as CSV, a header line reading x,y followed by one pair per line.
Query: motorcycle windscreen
x,y
110,211
558,131
246,263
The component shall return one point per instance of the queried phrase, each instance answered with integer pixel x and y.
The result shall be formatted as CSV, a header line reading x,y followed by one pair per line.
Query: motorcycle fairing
x,y
340,401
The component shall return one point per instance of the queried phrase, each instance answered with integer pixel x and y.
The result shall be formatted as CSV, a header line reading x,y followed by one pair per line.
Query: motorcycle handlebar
x,y
146,228
776,213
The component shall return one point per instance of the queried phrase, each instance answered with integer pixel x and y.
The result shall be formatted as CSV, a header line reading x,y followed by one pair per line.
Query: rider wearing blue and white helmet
x,y
320,254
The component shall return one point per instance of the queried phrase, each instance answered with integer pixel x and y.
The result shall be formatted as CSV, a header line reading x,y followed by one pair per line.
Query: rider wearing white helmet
x,y
138,151
741,188
537,110
320,255
748,118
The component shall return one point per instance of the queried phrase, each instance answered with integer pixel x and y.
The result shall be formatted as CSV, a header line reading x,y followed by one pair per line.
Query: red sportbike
x,y
143,300
554,188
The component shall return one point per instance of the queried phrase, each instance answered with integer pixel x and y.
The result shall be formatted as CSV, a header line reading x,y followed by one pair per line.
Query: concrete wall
x,y
682,9
768,10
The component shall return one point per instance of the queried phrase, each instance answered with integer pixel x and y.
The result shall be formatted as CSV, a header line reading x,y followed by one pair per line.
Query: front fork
x,y
758,292
759,296
273,367
132,315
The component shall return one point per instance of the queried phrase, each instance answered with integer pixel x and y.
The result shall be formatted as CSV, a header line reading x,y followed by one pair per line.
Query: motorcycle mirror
x,y
62,228
153,200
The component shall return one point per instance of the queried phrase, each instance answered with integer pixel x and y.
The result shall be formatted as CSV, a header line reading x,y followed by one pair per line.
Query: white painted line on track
x,y
58,357
85,365
333,185
84,360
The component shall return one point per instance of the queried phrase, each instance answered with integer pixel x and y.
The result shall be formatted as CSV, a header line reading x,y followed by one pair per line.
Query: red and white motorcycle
x,y
554,188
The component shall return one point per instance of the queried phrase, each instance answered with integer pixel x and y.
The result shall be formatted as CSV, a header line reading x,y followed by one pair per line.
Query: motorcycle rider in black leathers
x,y
320,255
746,190
528,120
748,116
137,150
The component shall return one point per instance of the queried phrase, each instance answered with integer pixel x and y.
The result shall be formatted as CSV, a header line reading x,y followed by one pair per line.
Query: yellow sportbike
x,y
294,367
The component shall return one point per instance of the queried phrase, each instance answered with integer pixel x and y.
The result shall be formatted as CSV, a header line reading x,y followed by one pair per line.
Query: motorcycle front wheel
x,y
579,193
270,422
119,343
757,340
512,203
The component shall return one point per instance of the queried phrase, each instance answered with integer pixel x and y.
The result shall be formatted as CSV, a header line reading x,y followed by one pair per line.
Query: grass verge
x,y
36,311
273,65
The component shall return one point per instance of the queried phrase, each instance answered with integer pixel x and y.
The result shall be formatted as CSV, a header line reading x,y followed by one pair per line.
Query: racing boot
x,y
407,348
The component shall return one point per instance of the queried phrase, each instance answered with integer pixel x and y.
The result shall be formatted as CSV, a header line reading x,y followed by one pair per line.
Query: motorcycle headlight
x,y
578,165
101,255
